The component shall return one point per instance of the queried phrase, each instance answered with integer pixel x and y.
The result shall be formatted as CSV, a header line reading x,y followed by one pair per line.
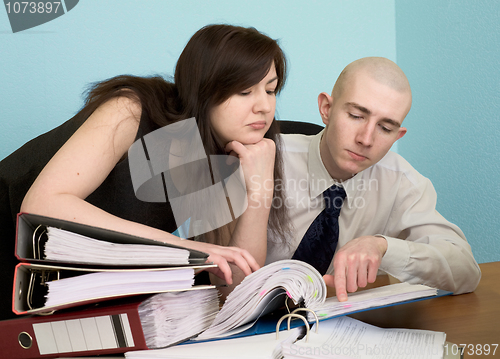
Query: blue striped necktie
x,y
320,241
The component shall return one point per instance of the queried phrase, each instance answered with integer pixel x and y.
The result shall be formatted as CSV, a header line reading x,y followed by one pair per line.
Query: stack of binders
x,y
75,302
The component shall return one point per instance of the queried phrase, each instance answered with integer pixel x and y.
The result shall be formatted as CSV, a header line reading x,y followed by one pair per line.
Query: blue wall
x,y
447,49
450,52
44,70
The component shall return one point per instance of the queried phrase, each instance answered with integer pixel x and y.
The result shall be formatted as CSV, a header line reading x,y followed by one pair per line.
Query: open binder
x,y
250,308
30,239
31,285
35,275
345,337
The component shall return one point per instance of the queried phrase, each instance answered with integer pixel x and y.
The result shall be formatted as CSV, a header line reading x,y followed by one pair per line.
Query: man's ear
x,y
401,132
324,104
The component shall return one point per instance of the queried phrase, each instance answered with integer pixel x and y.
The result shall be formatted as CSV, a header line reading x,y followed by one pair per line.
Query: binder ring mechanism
x,y
44,277
294,315
39,276
37,252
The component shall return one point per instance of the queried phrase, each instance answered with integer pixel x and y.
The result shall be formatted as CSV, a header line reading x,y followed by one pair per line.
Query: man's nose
x,y
365,134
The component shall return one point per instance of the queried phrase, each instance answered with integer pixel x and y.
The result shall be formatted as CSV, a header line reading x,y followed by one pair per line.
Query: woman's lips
x,y
258,125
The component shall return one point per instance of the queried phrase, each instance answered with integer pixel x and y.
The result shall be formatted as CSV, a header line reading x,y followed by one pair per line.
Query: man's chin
x,y
351,171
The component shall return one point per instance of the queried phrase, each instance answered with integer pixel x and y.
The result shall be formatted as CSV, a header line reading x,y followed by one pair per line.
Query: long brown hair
x,y
217,62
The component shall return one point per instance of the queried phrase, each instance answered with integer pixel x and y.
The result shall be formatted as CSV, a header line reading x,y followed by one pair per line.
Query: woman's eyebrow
x,y
272,80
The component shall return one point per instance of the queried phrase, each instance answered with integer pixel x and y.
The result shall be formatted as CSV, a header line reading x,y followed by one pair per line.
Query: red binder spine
x,y
97,331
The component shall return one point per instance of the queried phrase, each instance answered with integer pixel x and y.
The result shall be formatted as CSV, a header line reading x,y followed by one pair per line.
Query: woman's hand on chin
x,y
257,162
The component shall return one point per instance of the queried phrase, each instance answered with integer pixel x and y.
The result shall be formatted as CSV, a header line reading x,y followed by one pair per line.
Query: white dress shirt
x,y
390,199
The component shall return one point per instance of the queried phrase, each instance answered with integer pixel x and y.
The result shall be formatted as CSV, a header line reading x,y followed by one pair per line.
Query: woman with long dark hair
x,y
227,78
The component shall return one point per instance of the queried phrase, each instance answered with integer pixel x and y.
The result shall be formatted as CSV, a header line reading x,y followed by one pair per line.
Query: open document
x,y
297,282
346,338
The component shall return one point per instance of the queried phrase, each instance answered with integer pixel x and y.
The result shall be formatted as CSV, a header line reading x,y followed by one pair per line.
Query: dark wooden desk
x,y
472,318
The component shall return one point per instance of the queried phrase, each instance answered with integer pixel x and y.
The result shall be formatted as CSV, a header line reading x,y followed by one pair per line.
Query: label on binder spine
x,y
96,333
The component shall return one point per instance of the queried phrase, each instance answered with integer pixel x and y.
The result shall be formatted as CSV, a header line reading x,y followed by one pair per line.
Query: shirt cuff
x,y
396,257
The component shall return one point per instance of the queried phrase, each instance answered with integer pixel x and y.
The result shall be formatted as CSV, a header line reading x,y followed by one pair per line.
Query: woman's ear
x,y
324,104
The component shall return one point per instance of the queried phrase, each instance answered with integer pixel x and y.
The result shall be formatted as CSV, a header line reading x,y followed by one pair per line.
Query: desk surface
x,y
472,318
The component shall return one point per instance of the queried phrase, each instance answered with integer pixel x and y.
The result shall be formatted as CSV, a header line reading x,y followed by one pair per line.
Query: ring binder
x,y
32,282
34,233
345,337
44,278
37,251
294,315
306,310
38,275
289,316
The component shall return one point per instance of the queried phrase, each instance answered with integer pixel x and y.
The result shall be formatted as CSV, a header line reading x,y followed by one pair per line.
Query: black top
x,y
115,195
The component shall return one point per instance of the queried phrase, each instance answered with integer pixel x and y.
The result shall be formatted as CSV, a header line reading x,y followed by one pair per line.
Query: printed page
x,y
374,297
345,337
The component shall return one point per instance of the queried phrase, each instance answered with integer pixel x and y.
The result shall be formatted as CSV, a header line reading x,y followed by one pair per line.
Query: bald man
x,y
388,220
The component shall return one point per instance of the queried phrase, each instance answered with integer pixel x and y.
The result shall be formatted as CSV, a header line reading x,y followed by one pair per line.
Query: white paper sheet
x,y
348,338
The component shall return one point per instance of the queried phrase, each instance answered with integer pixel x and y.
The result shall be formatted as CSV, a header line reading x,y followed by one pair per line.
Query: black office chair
x,y
305,128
